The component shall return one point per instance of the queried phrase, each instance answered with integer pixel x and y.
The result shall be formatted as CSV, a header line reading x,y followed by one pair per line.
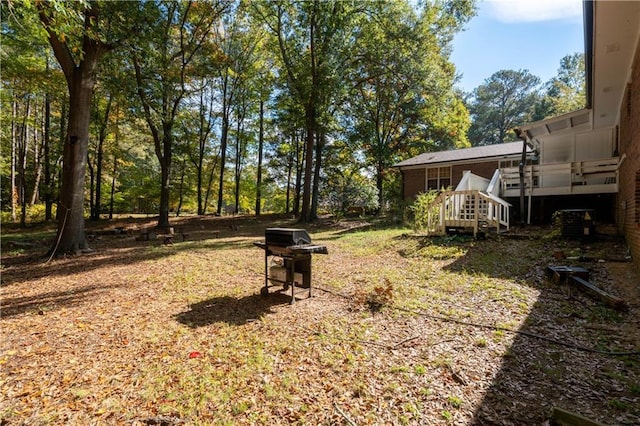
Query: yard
x,y
402,329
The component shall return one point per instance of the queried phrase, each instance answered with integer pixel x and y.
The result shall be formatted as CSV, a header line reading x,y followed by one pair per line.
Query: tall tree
x,y
79,67
102,117
202,147
402,96
239,44
179,46
565,92
309,37
80,34
503,101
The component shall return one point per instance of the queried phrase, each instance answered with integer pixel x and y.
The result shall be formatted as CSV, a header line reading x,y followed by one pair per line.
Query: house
x,y
444,169
587,159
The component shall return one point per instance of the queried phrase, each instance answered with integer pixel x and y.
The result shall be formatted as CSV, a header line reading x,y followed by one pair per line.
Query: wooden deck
x,y
472,210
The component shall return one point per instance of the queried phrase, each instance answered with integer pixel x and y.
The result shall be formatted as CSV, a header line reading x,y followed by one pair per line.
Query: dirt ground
x,y
401,329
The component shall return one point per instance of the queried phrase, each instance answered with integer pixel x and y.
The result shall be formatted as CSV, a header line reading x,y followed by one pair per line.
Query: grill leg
x,y
291,276
265,290
309,275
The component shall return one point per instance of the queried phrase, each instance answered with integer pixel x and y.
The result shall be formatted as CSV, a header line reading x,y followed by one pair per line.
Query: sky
x,y
528,35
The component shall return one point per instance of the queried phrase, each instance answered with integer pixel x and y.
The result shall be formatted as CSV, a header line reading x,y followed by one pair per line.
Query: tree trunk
x,y
260,147
181,188
56,177
99,159
305,214
22,165
379,182
80,82
199,163
14,161
48,191
114,174
71,236
210,183
92,183
239,155
37,159
223,147
299,168
165,176
113,185
316,176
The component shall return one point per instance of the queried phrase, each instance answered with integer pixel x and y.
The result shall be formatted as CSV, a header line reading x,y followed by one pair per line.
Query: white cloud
x,y
513,11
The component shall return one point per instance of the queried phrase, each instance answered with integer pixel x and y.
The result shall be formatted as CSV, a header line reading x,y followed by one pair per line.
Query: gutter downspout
x,y
588,13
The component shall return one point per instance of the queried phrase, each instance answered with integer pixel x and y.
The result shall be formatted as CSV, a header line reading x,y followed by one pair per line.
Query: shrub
x,y
422,207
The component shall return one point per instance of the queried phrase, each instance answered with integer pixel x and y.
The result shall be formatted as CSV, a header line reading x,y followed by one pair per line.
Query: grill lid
x,y
286,237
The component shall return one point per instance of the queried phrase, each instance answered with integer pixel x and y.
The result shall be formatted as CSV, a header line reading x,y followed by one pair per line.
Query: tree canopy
x,y
229,107
509,98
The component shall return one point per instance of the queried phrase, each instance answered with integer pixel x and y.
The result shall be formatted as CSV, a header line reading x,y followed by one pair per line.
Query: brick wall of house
x,y
628,202
414,179
486,170
413,182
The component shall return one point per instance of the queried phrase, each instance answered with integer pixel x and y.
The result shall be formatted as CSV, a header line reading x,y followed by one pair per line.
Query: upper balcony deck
x,y
578,177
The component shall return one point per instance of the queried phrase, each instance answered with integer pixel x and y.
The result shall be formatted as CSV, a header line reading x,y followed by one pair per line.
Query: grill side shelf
x,y
308,248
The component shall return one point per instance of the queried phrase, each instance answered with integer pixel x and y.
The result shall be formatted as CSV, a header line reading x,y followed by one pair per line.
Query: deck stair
x,y
474,206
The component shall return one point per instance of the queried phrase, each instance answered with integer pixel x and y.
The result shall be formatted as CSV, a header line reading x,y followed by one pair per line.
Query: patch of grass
x,y
481,342
441,362
425,392
498,335
446,414
368,243
420,369
454,401
603,314
618,404
399,369
240,407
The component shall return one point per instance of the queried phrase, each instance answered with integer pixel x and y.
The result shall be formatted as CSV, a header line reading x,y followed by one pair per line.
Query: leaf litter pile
x,y
401,329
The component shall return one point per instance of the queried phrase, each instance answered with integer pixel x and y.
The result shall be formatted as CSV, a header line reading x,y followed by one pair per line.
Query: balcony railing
x,y
578,177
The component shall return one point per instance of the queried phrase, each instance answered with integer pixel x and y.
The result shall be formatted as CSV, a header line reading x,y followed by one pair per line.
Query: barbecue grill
x,y
290,253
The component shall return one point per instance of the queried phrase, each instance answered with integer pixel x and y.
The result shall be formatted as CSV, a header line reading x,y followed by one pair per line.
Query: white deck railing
x,y
578,177
471,209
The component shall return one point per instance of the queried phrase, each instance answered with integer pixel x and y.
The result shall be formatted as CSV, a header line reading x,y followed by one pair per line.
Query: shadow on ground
x,y
117,243
585,359
41,302
230,310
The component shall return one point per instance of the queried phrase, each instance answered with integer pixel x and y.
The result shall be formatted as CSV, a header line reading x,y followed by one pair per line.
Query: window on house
x,y
438,178
516,163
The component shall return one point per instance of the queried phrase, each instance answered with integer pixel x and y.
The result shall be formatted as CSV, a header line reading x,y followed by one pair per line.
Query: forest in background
x,y
245,107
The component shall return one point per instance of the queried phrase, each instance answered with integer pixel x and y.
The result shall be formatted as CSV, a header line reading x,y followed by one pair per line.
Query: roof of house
x,y
485,152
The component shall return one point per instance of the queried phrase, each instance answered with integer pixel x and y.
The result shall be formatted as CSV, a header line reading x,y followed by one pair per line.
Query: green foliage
x,y
402,100
422,207
504,101
567,91
198,62
340,192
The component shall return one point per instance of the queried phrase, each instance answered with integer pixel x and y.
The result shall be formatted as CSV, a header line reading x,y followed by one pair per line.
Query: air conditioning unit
x,y
578,223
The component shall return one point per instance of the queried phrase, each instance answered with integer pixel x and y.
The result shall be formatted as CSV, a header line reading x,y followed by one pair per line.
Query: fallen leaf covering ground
x,y
402,329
